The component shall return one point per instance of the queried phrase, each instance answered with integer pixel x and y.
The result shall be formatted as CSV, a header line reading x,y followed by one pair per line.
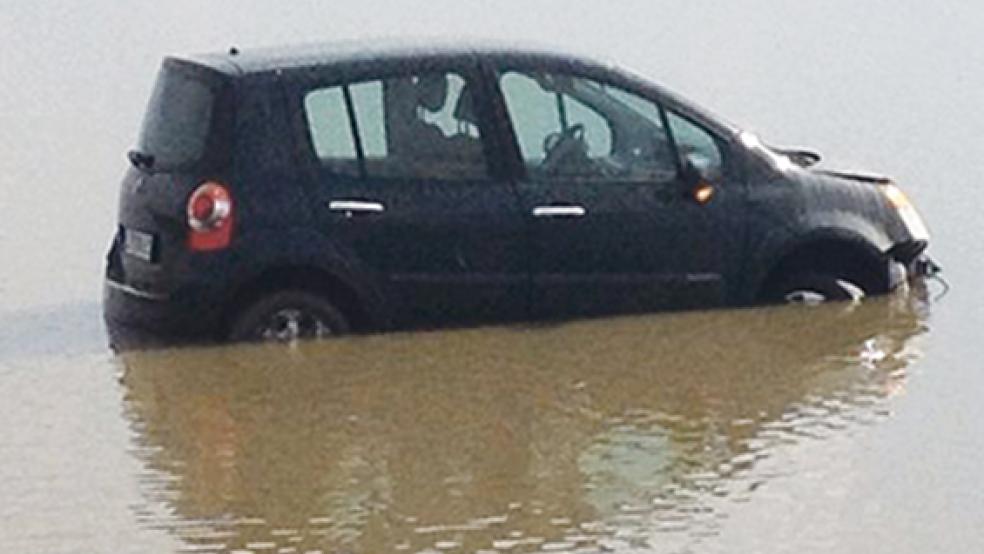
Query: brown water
x,y
840,428
615,435
643,433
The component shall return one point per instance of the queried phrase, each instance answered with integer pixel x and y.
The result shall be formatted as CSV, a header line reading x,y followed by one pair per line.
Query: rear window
x,y
176,125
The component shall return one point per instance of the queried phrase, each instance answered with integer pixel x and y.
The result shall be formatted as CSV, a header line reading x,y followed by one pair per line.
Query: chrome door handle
x,y
356,206
569,210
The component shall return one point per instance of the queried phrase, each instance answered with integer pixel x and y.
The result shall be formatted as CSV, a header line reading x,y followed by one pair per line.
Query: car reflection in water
x,y
617,434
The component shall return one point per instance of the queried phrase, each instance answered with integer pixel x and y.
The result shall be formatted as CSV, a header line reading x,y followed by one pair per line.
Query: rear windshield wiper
x,y
140,160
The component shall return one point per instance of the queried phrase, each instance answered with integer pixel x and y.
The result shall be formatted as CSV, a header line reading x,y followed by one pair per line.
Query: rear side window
x,y
421,126
176,124
331,132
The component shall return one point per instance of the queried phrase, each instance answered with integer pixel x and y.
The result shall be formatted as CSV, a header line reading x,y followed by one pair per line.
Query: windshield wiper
x,y
140,160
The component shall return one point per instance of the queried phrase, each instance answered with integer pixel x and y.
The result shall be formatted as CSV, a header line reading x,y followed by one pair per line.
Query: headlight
x,y
910,217
895,196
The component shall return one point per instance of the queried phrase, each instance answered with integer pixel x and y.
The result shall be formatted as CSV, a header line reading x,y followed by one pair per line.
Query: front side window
x,y
417,126
696,145
570,127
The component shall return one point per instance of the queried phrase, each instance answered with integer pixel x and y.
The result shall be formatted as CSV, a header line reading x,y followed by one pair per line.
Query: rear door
x,y
402,185
613,227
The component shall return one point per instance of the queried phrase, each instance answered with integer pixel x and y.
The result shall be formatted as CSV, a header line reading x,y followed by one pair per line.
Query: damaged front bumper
x,y
924,266
921,267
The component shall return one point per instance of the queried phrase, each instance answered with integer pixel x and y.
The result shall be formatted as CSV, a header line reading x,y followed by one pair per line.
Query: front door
x,y
403,187
613,228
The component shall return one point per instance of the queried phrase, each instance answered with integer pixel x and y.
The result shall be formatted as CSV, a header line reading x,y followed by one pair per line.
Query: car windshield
x,y
177,120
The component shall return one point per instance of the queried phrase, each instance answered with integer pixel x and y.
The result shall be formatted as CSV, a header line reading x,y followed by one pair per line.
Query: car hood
x,y
856,176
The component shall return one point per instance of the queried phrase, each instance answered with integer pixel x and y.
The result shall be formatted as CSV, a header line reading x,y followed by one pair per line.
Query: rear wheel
x,y
815,288
286,316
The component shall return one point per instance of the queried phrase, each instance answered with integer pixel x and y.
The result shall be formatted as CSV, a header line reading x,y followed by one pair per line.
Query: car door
x,y
613,225
402,186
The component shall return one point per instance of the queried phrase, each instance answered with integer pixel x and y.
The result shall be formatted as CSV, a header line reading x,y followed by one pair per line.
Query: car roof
x,y
238,63
248,61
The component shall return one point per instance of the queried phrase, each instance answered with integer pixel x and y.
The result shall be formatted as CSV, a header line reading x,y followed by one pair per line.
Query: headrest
x,y
432,91
464,110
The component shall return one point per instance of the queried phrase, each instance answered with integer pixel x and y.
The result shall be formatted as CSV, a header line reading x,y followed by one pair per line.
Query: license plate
x,y
139,244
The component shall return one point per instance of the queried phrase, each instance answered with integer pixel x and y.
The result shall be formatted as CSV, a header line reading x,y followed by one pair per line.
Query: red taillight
x,y
201,210
209,217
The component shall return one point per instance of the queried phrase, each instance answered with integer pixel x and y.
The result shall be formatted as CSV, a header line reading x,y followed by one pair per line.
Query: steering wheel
x,y
557,147
553,140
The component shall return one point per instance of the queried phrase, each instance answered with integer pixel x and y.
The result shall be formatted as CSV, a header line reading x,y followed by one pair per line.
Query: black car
x,y
361,186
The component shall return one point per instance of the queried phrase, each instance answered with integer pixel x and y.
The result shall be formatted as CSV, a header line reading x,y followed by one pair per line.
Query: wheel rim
x,y
289,324
808,297
811,296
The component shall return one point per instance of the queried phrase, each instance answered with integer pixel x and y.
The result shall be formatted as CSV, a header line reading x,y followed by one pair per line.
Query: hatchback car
x,y
318,190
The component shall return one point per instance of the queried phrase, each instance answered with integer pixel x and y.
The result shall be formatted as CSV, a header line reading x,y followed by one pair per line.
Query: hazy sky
x,y
887,84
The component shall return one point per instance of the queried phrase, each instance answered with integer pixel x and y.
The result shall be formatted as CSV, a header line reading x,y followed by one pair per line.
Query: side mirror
x,y
697,178
802,157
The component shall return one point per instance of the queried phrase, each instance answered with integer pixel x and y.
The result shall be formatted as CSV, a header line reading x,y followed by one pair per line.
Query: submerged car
x,y
324,189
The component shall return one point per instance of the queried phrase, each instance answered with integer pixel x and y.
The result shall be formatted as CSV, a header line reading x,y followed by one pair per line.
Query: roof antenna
x,y
233,51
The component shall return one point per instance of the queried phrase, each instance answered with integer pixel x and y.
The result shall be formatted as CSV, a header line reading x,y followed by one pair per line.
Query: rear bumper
x,y
186,314
190,311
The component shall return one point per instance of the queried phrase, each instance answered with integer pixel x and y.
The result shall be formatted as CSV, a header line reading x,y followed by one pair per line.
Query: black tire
x,y
815,288
288,315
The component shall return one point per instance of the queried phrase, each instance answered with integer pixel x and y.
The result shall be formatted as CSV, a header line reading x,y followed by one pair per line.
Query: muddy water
x,y
687,432
622,435
774,430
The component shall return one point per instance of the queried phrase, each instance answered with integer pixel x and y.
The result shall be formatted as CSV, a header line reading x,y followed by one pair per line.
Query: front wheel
x,y
816,288
286,316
